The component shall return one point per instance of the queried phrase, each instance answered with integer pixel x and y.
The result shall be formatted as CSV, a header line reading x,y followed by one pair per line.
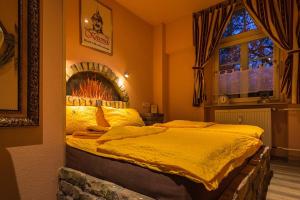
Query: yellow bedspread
x,y
200,155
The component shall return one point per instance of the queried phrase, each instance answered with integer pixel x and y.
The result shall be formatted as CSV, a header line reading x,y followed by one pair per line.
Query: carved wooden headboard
x,y
90,83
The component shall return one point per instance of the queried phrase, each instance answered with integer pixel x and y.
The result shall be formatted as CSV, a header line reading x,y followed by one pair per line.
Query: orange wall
x,y
293,133
132,49
160,68
30,157
180,51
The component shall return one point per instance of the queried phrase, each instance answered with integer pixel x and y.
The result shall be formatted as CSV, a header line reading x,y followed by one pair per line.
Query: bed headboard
x,y
94,84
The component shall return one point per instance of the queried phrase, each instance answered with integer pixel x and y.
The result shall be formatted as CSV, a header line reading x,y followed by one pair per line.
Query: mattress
x,y
142,180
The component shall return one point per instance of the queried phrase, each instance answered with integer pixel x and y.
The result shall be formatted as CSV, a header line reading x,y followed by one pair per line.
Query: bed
x,y
91,172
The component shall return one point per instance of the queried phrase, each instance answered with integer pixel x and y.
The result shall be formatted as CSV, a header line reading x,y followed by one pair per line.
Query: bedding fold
x,y
118,133
184,124
87,134
249,130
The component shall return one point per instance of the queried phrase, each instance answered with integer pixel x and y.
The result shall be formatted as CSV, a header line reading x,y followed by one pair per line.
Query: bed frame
x,y
251,183
254,179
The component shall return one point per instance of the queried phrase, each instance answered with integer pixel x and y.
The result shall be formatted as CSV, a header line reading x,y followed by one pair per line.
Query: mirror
x,y
7,46
1,41
8,70
19,63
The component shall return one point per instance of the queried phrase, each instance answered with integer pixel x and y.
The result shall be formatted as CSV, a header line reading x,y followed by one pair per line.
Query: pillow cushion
x,y
122,117
78,118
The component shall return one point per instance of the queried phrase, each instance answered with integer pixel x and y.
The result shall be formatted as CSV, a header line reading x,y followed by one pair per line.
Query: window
x,y
240,22
245,61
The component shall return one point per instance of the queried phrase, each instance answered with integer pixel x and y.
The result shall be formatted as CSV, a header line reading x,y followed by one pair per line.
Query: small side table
x,y
152,118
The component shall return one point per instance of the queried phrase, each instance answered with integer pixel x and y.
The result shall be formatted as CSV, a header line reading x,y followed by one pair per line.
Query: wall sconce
x,y
126,75
120,82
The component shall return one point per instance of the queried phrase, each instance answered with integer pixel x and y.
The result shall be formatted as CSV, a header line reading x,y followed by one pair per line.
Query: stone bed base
x,y
251,184
75,185
253,181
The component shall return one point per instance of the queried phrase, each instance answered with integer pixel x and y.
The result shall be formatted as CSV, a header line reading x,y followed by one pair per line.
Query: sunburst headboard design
x,y
90,83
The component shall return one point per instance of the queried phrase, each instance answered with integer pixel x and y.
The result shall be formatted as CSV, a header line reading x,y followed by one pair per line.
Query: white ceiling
x,y
164,11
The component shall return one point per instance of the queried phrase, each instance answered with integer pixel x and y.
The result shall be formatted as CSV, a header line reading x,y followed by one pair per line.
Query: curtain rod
x,y
219,5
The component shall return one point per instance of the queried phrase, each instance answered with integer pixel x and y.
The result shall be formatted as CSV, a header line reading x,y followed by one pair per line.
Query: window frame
x,y
243,39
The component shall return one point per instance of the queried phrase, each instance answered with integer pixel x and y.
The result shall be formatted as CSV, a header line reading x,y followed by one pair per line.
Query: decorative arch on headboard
x,y
100,74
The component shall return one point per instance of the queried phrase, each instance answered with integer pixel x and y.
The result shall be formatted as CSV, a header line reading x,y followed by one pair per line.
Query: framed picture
x,y
154,108
96,26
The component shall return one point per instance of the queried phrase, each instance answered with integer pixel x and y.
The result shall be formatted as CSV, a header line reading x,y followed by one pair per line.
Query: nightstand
x,y
151,118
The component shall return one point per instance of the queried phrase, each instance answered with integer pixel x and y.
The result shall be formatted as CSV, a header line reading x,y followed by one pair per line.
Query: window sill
x,y
247,104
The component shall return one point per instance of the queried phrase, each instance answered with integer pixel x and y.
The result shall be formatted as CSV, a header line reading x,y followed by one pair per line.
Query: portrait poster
x,y
96,26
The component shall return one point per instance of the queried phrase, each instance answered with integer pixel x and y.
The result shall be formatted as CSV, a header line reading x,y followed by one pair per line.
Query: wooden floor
x,y
285,184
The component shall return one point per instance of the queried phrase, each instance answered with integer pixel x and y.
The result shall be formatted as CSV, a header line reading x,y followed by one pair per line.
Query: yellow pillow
x,y
78,118
122,116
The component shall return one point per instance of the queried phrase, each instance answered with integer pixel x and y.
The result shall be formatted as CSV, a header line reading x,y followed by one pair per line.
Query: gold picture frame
x,y
96,26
